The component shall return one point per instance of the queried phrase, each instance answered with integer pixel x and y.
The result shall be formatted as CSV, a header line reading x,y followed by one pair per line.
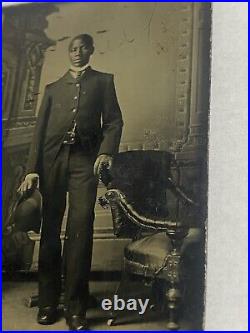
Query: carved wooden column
x,y
183,74
191,145
191,152
200,82
24,44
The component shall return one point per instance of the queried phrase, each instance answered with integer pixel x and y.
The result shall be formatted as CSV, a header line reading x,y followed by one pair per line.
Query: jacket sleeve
x,y
112,122
39,132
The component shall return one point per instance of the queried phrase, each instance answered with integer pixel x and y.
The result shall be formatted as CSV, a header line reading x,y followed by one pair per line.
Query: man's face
x,y
79,53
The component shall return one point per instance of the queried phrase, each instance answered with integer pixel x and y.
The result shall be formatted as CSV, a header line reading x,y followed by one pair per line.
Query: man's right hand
x,y
30,182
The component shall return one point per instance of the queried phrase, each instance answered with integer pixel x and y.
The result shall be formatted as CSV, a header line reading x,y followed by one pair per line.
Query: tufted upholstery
x,y
150,252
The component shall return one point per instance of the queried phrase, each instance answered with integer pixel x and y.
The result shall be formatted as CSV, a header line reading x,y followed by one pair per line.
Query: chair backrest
x,y
142,177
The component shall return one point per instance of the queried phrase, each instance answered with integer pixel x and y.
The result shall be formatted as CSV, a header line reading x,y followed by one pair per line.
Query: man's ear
x,y
92,50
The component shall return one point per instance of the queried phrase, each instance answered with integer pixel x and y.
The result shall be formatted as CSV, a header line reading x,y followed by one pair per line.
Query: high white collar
x,y
79,69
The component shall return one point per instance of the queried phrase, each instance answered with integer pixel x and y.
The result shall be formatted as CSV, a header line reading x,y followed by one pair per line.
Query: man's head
x,y
81,48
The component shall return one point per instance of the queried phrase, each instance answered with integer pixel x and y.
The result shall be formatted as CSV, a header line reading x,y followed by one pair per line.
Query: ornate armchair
x,y
156,221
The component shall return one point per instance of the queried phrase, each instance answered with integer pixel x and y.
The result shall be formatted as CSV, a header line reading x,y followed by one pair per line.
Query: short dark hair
x,y
87,39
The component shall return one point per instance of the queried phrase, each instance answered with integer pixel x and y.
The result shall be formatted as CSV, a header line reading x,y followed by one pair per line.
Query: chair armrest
x,y
115,196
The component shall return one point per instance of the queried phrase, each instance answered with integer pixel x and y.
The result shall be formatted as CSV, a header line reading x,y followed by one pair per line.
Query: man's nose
x,y
78,52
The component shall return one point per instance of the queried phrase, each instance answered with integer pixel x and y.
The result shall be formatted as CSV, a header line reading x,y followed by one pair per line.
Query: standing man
x,y
78,130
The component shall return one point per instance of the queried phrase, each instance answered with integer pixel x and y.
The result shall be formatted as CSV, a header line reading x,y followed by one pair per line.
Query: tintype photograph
x,y
105,147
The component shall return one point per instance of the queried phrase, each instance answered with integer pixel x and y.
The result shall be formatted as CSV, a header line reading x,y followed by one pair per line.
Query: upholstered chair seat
x,y
146,256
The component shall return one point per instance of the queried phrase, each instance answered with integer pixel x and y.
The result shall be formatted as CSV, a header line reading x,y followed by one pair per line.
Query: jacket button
x,y
78,85
74,110
75,97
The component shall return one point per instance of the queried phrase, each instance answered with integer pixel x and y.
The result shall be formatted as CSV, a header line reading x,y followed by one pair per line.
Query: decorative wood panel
x,y
8,82
23,45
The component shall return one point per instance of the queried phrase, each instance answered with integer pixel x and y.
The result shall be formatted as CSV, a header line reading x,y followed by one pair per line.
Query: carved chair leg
x,y
173,296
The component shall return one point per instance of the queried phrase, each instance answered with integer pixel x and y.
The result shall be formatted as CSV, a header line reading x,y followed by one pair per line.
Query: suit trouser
x,y
71,172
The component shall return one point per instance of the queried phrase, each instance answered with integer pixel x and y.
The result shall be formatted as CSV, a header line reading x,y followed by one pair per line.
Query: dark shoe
x,y
77,323
47,315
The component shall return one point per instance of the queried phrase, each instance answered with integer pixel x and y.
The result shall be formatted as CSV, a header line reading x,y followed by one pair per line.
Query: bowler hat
x,y
27,214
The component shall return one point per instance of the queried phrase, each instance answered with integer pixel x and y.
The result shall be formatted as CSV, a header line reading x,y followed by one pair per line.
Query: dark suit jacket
x,y
92,103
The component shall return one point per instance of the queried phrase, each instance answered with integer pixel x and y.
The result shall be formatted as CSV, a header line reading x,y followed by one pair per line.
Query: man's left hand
x,y
101,162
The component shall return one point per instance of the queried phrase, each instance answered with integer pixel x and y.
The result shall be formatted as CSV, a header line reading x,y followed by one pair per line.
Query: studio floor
x,y
17,316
